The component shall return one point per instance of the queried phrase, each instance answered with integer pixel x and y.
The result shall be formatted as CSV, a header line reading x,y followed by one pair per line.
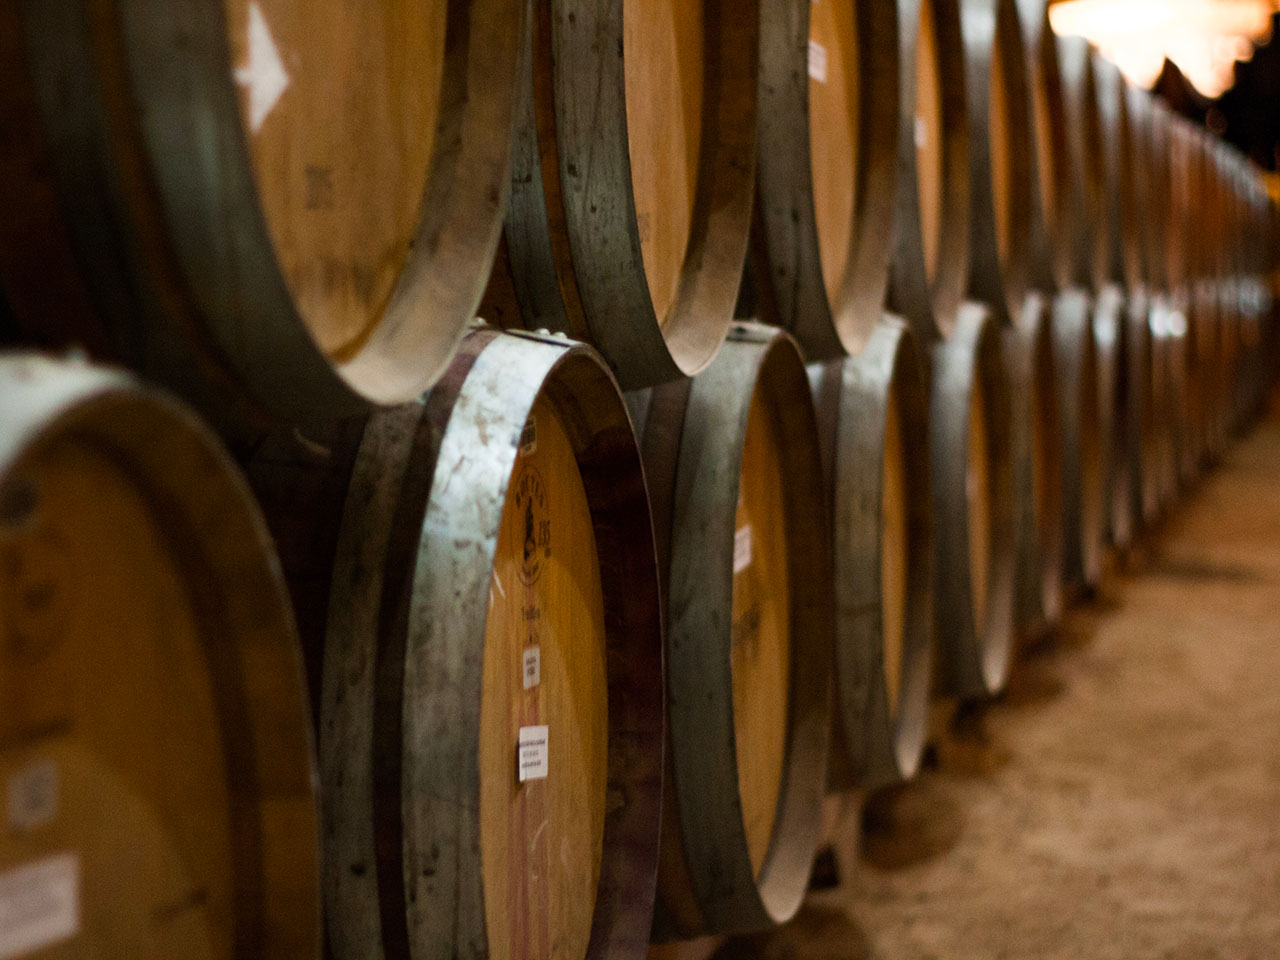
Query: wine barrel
x,y
633,176
1086,183
275,207
1181,250
1037,463
1120,125
156,744
826,170
873,420
734,469
932,208
972,508
1084,403
1000,143
1111,339
475,582
1052,211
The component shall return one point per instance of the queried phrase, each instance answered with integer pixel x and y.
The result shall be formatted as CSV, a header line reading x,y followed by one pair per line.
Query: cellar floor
x,y
1123,800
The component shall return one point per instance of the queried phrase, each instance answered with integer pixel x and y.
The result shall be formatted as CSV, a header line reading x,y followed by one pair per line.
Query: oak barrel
x,y
932,208
633,177
733,464
972,482
1111,339
156,742
276,207
1086,182
873,420
1035,431
1086,410
826,169
1053,212
475,580
1000,146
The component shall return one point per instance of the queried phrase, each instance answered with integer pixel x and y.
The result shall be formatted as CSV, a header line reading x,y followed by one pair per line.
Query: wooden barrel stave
x,y
1087,191
725,867
198,756
932,205
1084,347
1052,214
1000,142
872,414
1035,439
973,517
410,614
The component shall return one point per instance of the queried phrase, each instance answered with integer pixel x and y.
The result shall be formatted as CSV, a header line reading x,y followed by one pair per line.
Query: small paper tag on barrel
x,y
531,751
532,667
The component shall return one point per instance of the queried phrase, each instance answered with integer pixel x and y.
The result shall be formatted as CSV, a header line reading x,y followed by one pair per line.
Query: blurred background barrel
x,y
733,464
276,209
973,508
1037,448
633,177
1000,145
156,743
873,420
475,580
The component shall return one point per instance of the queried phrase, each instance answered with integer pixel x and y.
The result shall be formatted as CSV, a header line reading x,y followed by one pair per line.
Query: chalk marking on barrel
x,y
264,75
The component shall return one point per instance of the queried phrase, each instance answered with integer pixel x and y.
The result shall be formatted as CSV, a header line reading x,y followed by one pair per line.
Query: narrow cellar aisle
x,y
1124,799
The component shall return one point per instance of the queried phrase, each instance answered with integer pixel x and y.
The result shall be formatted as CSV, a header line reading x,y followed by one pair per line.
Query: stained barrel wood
x,y
228,210
1111,338
1000,143
475,581
1085,359
932,207
972,507
1053,213
1036,446
1120,124
733,463
156,742
827,172
1087,181
873,417
633,177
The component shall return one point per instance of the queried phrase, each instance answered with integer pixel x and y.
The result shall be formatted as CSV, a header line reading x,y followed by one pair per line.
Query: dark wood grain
x,y
974,651
877,742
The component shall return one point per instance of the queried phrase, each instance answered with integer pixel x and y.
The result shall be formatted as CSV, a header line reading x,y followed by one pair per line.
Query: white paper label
x,y
817,61
742,549
39,905
529,437
532,667
531,753
33,796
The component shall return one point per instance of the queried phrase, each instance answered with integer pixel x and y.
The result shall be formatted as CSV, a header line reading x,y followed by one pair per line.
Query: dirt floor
x,y
1123,801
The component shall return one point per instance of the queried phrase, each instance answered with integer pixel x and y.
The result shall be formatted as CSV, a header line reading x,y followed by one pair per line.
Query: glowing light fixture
x,y
1205,38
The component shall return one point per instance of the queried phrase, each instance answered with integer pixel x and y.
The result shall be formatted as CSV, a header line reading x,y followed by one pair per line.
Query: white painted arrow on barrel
x,y
264,75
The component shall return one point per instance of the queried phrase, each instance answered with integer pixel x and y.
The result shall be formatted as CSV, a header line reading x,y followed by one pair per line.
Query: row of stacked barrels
x,y
406,635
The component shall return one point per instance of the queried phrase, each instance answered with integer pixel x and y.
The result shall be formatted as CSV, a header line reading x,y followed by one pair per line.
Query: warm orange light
x,y
1205,38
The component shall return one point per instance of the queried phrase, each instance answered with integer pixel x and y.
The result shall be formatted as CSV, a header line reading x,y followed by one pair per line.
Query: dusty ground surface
x,y
1123,801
